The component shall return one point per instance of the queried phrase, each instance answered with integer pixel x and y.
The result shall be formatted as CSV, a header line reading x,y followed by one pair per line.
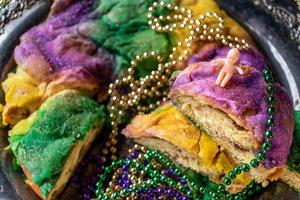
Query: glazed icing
x,y
84,44
71,39
82,47
121,27
42,142
245,97
211,51
56,53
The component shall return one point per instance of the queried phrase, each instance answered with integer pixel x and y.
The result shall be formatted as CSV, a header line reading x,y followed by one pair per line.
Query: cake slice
x,y
169,131
52,141
237,113
230,125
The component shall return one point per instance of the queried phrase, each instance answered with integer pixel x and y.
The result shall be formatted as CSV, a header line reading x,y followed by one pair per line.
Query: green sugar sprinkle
x,y
127,34
47,138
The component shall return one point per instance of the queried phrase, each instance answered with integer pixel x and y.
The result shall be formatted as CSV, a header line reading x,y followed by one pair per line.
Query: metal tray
x,y
271,24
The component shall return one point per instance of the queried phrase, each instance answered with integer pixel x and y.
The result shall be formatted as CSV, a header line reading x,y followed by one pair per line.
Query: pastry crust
x,y
79,150
167,130
291,178
52,141
238,112
206,116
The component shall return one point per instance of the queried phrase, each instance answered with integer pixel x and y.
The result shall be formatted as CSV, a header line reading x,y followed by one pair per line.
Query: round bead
x,y
237,170
266,72
189,194
268,134
268,78
245,167
232,175
201,189
271,89
107,170
185,177
227,181
266,146
150,153
172,183
254,163
115,195
155,180
261,155
251,185
228,196
114,164
193,185
177,171
169,164
124,192
244,193
105,197
144,185
271,100
271,110
99,184
221,188
161,158
102,177
147,169
181,187
147,157
213,195
139,166
237,197
271,122
163,178
98,192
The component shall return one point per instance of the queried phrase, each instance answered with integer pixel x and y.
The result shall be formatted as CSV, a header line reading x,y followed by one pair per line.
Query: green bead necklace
x,y
266,146
220,193
191,190
148,169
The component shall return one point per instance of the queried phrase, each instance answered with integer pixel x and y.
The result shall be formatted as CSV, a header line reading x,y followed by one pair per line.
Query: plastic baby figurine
x,y
228,64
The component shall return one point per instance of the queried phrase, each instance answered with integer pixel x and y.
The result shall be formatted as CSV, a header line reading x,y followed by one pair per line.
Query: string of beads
x,y
155,85
266,145
148,173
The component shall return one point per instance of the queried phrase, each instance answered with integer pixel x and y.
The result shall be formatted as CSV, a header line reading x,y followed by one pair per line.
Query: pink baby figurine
x,y
228,64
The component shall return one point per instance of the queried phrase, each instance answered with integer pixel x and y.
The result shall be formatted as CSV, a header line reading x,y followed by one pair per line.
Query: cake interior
x,y
188,160
215,122
169,131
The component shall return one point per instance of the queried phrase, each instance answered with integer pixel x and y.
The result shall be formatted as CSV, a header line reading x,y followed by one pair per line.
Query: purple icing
x,y
247,57
56,50
245,97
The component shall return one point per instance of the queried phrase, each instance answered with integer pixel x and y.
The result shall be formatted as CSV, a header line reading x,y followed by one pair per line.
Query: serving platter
x,y
269,29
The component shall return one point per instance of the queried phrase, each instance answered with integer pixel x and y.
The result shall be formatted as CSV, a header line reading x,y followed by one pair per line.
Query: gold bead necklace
x,y
155,85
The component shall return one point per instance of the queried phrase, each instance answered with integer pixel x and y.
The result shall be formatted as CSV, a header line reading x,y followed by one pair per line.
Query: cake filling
x,y
171,126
